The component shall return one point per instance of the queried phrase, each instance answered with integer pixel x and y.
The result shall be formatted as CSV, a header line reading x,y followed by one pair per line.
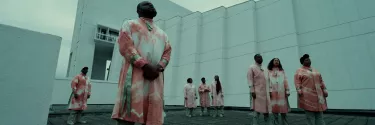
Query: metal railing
x,y
106,37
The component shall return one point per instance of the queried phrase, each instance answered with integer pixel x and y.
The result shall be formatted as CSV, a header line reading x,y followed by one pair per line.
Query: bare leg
x,y
319,118
72,118
120,122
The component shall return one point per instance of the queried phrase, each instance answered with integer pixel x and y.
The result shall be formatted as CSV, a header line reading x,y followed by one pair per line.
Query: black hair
x,y
302,59
271,65
218,85
85,68
189,79
202,78
256,55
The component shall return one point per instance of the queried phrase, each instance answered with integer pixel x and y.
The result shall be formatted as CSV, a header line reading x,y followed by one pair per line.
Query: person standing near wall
x,y
204,96
146,51
81,91
279,91
217,96
259,90
190,96
312,92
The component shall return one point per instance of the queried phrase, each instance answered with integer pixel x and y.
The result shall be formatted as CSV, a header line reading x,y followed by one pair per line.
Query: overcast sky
x,y
57,17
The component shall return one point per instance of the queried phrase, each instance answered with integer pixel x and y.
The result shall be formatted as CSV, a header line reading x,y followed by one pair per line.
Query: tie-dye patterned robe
x,y
258,85
82,87
204,97
217,98
190,95
139,100
310,84
279,89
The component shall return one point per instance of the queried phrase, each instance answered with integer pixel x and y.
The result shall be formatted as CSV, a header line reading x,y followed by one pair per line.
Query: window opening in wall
x,y
108,68
102,33
102,61
113,35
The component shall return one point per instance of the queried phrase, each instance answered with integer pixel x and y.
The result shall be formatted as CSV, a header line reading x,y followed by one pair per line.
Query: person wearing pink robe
x,y
217,95
81,91
279,91
312,92
204,96
146,51
259,90
190,95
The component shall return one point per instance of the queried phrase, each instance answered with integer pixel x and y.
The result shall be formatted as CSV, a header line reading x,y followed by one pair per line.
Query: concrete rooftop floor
x,y
231,118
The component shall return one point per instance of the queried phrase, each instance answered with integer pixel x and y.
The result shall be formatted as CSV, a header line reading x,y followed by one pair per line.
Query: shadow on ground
x,y
231,118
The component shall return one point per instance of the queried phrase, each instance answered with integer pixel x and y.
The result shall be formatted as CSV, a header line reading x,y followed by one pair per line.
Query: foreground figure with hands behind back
x,y
146,51
312,92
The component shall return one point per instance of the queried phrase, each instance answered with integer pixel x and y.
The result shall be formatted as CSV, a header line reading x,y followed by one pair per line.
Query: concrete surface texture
x,y
231,118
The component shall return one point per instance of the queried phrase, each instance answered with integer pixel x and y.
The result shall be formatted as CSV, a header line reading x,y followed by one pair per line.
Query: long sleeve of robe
x,y
311,87
81,87
257,79
139,100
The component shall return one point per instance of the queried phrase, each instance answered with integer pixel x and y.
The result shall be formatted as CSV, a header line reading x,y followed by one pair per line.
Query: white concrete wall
x,y
112,14
102,92
338,34
28,66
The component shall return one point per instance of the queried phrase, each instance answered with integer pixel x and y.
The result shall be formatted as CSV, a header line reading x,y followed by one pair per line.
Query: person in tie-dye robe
x,y
259,90
312,92
217,95
279,91
81,91
190,95
146,51
204,97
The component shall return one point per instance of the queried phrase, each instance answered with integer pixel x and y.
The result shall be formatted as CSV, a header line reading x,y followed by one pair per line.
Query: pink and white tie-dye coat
x,y
139,100
309,83
258,85
279,89
82,87
190,95
217,98
204,96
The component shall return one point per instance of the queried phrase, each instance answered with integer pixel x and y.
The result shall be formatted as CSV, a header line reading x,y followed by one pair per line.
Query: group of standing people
x,y
214,90
146,53
270,91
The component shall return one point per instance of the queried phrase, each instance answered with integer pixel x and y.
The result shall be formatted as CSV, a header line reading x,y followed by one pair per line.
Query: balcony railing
x,y
105,37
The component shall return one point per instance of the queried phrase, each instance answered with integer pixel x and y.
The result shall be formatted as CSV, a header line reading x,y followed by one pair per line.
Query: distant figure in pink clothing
x,y
81,91
279,91
146,51
190,94
204,96
217,96
312,92
259,90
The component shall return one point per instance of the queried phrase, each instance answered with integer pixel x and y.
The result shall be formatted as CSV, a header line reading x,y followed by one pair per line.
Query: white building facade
x,y
338,35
